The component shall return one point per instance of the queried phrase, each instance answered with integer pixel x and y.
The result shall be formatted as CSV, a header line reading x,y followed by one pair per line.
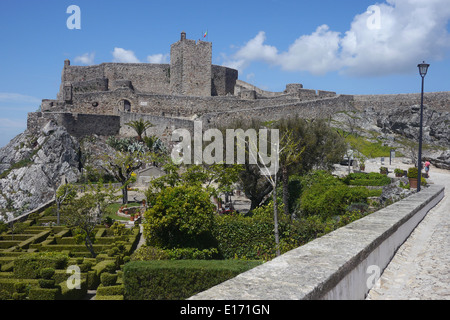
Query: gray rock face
x,y
394,125
31,165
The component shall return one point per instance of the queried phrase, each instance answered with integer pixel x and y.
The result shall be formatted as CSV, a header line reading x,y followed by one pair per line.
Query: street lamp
x,y
423,68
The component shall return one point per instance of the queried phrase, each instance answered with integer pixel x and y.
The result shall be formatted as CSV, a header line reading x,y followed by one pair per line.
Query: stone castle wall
x,y
145,77
189,88
77,125
439,101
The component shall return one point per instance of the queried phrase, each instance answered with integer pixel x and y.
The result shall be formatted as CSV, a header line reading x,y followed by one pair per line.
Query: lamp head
x,y
423,69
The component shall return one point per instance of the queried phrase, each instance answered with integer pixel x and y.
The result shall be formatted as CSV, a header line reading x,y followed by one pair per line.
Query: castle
x,y
101,99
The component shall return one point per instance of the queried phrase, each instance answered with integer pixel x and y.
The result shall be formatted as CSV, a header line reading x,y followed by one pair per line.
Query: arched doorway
x,y
126,106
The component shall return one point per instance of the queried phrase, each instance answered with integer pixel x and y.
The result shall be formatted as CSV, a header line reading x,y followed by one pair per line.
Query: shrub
x,y
146,253
331,201
46,283
367,179
108,279
44,294
177,279
28,266
47,273
241,237
115,297
113,290
413,173
180,216
74,293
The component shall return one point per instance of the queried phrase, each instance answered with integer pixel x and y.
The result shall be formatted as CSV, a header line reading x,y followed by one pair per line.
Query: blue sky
x,y
347,46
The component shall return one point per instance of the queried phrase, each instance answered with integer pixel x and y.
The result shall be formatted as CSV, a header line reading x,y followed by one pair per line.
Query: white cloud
x,y
124,56
254,50
158,58
86,59
405,32
316,53
17,98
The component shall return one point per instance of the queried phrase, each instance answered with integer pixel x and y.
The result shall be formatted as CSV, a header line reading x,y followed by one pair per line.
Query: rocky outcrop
x,y
399,128
31,165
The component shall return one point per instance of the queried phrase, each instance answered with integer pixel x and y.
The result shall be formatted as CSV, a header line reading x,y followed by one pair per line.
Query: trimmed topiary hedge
x,y
178,279
44,294
28,266
366,179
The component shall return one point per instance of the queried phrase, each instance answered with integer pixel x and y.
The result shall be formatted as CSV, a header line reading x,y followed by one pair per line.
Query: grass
x,y
114,207
366,147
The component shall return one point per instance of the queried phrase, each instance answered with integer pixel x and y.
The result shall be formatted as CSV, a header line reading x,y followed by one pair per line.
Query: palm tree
x,y
140,127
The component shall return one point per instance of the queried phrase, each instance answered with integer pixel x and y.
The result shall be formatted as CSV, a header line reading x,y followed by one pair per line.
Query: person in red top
x,y
427,168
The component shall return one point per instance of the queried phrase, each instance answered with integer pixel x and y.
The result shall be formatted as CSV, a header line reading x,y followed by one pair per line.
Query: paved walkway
x,y
420,270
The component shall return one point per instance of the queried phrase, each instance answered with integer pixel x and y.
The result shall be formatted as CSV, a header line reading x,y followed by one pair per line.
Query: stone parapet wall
x,y
145,77
163,127
77,125
336,266
322,108
439,101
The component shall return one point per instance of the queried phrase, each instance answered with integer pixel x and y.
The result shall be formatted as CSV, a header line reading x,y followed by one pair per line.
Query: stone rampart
x,y
319,108
162,126
145,77
439,101
339,265
77,125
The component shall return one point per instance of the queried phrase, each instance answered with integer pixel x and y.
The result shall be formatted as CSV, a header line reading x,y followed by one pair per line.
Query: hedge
x,y
117,290
366,179
8,285
116,297
28,266
244,237
74,294
44,294
178,279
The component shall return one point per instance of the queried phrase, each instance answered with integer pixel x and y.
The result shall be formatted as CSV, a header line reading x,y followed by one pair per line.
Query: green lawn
x,y
112,210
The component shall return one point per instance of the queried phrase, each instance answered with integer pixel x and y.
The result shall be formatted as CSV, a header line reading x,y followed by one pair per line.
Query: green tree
x,y
180,216
140,126
65,192
85,213
307,145
121,165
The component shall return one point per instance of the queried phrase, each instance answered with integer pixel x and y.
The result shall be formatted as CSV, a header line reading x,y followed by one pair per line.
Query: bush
x,y
146,253
114,290
47,273
366,179
44,294
74,294
177,279
28,266
180,216
244,237
117,297
413,173
328,201
46,283
108,279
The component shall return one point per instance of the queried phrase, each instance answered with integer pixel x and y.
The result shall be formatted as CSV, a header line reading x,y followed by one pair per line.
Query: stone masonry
x,y
190,88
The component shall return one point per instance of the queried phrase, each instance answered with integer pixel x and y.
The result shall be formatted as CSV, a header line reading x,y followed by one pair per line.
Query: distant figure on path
x,y
427,168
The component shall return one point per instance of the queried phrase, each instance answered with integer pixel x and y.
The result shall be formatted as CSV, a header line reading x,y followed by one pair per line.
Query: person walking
x,y
427,168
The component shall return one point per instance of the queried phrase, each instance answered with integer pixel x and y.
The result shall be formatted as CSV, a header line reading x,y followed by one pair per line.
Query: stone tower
x,y
190,67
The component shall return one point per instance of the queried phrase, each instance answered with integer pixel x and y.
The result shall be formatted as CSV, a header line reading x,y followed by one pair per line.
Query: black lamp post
x,y
423,68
